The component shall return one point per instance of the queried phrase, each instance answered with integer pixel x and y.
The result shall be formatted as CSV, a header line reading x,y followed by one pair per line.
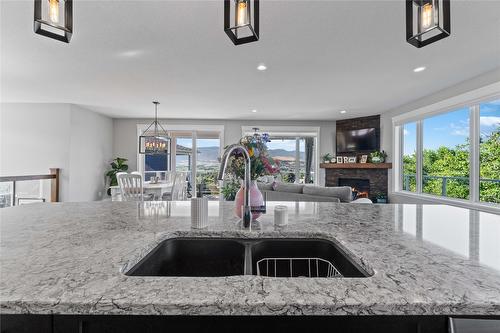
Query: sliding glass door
x,y
208,150
194,152
296,156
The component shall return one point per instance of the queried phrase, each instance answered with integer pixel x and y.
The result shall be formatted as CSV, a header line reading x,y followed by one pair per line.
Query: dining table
x,y
155,188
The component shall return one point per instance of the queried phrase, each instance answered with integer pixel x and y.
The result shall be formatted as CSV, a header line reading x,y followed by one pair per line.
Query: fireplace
x,y
360,187
365,177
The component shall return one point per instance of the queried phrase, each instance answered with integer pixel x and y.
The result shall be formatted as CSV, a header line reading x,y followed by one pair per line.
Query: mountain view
x,y
212,154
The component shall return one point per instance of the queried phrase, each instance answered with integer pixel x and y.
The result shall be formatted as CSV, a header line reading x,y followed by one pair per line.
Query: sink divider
x,y
247,268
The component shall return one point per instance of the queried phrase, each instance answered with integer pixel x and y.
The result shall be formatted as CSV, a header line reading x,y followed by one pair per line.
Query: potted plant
x,y
380,197
117,165
327,158
378,156
230,189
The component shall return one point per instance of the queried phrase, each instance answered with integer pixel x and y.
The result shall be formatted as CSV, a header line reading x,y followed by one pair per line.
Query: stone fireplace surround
x,y
376,174
377,178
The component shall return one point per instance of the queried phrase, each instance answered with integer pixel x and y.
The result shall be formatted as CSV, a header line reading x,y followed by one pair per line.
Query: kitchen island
x,y
62,264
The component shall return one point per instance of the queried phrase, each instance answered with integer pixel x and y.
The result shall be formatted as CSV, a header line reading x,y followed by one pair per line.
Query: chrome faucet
x,y
247,212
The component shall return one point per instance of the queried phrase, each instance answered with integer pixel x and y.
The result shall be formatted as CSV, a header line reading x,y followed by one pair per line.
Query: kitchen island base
x,y
19,323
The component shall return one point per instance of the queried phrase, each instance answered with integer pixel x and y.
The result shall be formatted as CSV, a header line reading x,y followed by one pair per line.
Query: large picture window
x,y
489,151
445,158
410,157
453,154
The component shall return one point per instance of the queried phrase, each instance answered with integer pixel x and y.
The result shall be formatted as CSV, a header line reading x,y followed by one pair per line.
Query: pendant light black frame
x,y
157,135
67,29
445,29
254,28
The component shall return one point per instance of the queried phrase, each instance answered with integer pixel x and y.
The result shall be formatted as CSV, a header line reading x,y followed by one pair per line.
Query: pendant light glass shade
x,y
154,140
427,21
241,21
54,19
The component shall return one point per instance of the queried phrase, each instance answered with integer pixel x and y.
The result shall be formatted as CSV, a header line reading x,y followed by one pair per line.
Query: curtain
x,y
309,143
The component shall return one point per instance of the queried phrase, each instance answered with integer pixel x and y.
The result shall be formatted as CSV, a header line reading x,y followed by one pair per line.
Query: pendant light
x,y
54,19
154,140
427,21
246,24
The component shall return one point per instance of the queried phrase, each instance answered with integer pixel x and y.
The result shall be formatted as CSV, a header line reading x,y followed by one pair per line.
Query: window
x,y
183,153
195,151
445,158
207,164
282,150
410,157
155,165
295,159
296,150
453,154
489,152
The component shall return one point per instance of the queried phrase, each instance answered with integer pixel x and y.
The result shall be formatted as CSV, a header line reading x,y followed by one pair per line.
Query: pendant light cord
x,y
156,117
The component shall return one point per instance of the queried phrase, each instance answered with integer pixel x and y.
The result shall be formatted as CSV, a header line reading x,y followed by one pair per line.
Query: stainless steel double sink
x,y
215,257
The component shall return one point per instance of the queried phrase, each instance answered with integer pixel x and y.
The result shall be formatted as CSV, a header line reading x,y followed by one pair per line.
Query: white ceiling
x,y
322,56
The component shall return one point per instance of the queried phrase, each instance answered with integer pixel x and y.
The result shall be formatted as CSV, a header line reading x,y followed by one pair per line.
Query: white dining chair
x,y
131,186
178,187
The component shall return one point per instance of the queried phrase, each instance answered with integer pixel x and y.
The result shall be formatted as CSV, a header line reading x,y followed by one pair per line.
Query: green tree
x,y
489,157
454,162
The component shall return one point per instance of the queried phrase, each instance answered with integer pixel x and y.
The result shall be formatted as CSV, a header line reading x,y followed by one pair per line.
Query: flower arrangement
x,y
261,163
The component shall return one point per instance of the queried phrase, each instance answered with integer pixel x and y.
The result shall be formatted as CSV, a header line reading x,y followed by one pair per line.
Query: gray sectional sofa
x,y
300,192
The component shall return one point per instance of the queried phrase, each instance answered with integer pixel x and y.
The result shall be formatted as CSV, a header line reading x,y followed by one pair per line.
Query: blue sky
x,y
288,145
274,144
452,128
200,143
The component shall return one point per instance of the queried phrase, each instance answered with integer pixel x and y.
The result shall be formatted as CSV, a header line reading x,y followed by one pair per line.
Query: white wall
x,y
386,140
36,137
125,134
91,149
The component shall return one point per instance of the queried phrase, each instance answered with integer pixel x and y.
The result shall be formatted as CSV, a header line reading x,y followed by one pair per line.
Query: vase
x,y
376,159
256,199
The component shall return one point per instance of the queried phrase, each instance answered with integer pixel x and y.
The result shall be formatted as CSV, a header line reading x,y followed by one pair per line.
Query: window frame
x,y
292,132
174,129
470,100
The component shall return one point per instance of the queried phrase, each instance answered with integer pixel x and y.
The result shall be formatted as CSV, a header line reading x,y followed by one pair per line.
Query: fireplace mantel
x,y
356,165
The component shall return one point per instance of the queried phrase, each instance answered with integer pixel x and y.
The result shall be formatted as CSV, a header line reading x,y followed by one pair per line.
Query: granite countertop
x,y
67,258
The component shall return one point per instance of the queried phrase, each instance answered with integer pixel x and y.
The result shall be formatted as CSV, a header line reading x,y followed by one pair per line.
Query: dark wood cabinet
x,y
222,324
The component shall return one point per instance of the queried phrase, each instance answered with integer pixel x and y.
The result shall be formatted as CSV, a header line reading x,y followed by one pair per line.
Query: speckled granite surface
x,y
67,258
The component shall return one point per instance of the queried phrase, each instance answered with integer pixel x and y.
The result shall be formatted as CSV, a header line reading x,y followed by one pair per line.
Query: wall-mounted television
x,y
359,140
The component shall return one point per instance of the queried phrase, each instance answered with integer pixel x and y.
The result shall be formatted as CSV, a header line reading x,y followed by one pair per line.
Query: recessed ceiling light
x,y
343,111
419,69
130,53
262,67
254,111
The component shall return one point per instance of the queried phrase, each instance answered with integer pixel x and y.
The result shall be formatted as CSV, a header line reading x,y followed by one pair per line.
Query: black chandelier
x,y
246,24
154,140
54,19
427,21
